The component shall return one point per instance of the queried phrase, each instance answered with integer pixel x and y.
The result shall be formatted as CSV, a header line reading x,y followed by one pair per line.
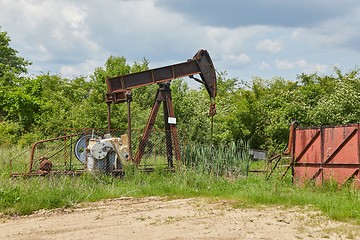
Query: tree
x,y
339,105
18,96
94,106
11,65
18,101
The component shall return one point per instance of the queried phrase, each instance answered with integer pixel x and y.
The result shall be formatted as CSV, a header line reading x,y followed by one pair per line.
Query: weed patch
x,y
26,195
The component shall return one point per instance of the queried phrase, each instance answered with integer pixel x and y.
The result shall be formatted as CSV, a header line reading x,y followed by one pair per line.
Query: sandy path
x,y
161,218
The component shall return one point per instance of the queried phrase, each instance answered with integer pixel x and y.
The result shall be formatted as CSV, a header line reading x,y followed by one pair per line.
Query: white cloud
x,y
81,69
321,68
74,16
333,33
43,53
302,66
287,65
74,37
230,39
296,34
240,59
229,47
264,65
269,46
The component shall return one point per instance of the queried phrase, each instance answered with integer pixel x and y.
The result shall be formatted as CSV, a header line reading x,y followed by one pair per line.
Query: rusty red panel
x,y
341,144
340,174
327,153
302,174
307,147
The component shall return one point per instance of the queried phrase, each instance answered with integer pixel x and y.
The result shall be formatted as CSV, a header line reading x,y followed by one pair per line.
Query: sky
x,y
245,39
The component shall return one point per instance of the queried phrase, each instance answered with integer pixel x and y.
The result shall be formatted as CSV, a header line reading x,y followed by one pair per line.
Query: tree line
x,y
259,110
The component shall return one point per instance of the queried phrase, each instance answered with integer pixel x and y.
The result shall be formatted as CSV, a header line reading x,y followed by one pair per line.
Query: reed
x,y
231,159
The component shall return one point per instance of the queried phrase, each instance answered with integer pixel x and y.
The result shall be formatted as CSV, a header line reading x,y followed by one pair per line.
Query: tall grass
x,y
232,159
13,159
26,195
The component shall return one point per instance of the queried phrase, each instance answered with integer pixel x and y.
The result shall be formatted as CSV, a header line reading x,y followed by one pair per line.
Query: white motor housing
x,y
104,154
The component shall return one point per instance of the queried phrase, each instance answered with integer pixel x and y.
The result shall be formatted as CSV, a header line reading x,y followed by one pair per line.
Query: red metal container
x,y
327,153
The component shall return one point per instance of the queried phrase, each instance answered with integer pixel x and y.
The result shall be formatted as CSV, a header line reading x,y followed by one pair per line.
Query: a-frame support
x,y
163,95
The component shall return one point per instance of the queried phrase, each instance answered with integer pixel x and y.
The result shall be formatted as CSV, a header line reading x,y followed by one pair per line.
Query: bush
x,y
9,133
28,139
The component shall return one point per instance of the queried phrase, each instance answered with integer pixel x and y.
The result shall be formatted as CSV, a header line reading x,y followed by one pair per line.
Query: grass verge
x,y
24,196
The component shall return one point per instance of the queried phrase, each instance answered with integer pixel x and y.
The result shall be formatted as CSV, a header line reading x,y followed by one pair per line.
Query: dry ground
x,y
162,218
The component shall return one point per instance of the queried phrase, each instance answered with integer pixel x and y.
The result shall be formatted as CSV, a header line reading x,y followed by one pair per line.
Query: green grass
x,y
231,159
26,195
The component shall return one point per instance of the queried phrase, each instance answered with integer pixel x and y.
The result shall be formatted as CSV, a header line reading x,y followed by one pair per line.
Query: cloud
x,y
138,29
258,12
79,69
321,68
56,27
244,38
286,65
264,66
337,32
269,46
302,65
240,59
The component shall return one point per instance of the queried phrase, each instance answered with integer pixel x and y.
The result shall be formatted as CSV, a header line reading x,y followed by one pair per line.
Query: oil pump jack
x,y
119,91
104,152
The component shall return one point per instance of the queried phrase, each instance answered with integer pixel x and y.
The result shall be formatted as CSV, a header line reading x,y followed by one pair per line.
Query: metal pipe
x,y
291,138
109,116
128,100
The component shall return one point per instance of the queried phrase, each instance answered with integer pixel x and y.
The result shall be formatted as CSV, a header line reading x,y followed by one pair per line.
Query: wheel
x,y
80,147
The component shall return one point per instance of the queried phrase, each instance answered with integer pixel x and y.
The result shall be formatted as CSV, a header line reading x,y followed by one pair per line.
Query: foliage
x,y
259,110
340,105
11,65
16,93
263,109
9,133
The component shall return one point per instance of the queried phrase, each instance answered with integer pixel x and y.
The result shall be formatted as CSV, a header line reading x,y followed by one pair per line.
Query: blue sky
x,y
258,38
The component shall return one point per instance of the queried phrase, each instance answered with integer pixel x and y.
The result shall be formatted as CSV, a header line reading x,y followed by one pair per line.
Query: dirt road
x,y
162,218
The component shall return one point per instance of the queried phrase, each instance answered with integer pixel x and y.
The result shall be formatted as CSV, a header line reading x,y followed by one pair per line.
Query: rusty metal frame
x,y
43,141
119,89
201,63
30,171
163,95
288,151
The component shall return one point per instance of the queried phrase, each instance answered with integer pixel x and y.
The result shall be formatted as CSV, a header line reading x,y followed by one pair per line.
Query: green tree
x,y
339,105
226,100
18,94
263,111
11,65
21,103
95,105
58,97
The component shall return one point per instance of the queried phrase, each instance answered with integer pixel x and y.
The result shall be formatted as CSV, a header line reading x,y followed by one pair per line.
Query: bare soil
x,y
163,218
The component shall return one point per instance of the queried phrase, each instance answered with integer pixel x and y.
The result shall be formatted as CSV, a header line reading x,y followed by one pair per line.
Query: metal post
x,y
168,140
173,131
128,100
109,116
163,95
